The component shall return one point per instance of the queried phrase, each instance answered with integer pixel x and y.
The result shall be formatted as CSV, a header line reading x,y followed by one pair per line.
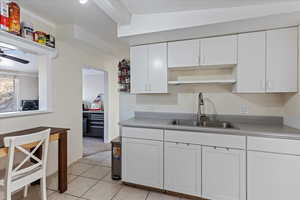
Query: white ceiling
x,y
162,6
88,16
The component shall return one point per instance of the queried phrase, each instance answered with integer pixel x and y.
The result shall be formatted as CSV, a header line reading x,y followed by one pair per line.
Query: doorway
x,y
94,111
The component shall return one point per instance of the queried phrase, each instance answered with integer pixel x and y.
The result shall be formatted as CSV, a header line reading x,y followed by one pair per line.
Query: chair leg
x,y
7,195
25,191
43,189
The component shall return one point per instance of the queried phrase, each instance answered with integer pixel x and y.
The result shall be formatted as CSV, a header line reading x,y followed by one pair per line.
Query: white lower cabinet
x,y
183,168
273,176
142,162
223,174
163,160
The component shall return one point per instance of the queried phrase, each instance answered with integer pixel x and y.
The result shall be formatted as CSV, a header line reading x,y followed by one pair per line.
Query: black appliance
x,y
93,124
27,105
85,126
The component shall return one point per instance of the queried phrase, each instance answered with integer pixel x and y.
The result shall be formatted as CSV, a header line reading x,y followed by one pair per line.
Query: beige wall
x,y
67,98
218,100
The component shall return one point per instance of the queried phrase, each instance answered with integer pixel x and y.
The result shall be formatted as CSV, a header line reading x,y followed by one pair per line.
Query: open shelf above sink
x,y
203,67
181,82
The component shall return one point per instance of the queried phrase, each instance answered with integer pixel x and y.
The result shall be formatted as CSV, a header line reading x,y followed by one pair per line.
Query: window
x,y
19,82
8,97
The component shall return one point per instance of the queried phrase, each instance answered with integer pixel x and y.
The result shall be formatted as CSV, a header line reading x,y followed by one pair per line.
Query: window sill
x,y
23,113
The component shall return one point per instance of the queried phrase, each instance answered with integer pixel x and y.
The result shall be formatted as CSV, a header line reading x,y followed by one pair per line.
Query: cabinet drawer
x,y
143,133
274,145
209,139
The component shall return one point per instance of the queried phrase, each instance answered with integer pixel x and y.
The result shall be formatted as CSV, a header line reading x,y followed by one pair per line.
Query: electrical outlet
x,y
244,109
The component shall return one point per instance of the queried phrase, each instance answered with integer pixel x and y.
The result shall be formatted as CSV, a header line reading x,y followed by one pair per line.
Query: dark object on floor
x,y
116,159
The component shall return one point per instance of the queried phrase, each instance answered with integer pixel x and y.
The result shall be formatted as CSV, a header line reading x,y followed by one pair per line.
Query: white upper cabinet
x,y
251,68
219,50
149,69
139,69
158,69
184,53
182,168
223,174
268,62
282,60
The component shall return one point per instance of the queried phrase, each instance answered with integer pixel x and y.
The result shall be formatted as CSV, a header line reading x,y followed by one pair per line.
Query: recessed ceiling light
x,y
83,1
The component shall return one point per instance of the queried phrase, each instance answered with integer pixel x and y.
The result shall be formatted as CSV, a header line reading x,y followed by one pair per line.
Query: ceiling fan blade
x,y
15,59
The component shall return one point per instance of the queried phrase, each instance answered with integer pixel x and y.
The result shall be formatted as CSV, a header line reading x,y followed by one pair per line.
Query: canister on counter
x,y
4,15
40,37
14,18
27,31
50,40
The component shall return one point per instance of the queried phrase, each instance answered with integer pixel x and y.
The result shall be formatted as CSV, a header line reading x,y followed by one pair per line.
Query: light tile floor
x,y
90,179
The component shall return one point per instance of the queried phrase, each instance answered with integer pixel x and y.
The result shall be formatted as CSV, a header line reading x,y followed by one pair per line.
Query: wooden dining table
x,y
56,134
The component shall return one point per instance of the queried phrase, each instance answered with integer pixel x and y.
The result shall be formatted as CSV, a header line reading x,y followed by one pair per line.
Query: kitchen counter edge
x,y
243,129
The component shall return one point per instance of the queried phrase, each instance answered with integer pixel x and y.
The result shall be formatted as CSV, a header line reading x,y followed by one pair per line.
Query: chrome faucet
x,y
200,115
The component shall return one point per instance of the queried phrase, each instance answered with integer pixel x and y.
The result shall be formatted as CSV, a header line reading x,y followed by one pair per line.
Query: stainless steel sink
x,y
208,124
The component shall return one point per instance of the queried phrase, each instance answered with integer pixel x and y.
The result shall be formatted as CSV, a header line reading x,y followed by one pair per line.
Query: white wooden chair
x,y
22,175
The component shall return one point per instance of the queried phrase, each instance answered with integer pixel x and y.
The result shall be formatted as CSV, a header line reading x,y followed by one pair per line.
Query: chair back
x,y
19,143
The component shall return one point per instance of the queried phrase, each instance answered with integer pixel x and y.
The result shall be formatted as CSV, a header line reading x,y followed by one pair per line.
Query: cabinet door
x,y
184,53
139,69
282,59
183,168
142,162
219,50
223,174
158,70
251,60
273,176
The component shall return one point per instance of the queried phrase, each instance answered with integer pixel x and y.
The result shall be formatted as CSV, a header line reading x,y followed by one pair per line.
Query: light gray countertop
x,y
243,129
